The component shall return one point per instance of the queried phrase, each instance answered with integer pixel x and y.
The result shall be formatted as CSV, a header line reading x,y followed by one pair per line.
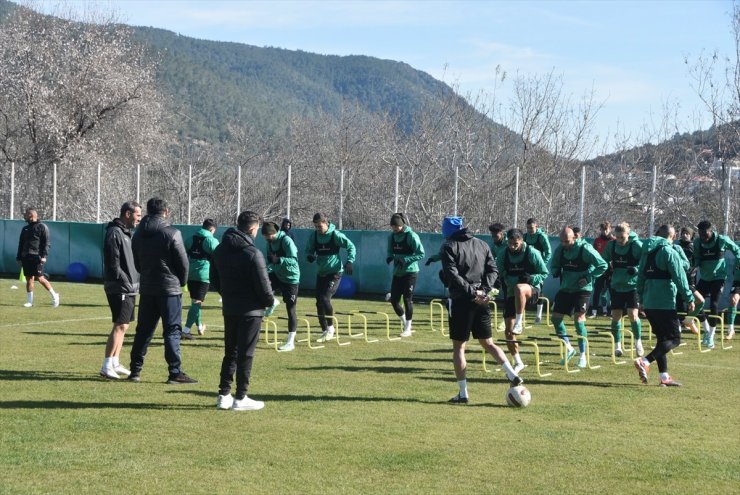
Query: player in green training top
x,y
734,299
537,238
199,248
404,251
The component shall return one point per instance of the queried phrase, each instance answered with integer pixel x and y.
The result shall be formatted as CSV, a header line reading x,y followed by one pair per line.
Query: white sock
x,y
509,370
731,327
619,346
539,310
518,359
291,338
52,293
330,329
29,297
583,356
568,346
107,363
517,320
403,320
711,332
463,384
664,376
706,325
407,327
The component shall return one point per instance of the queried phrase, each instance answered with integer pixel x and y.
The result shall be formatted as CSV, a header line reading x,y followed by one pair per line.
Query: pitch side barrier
x,y
83,242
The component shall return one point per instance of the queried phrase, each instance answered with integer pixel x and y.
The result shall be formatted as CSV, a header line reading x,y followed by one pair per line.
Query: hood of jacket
x,y
325,235
152,224
285,223
461,235
116,222
236,240
653,243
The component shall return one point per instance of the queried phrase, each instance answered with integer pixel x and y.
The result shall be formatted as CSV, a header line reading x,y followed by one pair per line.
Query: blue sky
x,y
631,52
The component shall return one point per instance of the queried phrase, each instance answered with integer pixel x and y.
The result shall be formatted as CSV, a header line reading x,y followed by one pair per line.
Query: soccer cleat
x,y
458,399
134,377
55,301
517,330
287,347
201,329
618,353
109,373
27,305
247,404
638,348
186,336
670,382
519,367
730,334
225,402
538,319
516,381
582,362
181,379
271,309
325,337
568,356
405,333
122,370
643,369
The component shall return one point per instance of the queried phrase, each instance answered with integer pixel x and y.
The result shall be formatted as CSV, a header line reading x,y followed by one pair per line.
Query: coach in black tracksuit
x,y
470,271
33,248
161,260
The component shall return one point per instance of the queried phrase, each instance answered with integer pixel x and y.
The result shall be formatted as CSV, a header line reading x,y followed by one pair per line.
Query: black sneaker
x,y
618,353
458,400
134,377
516,381
186,336
181,379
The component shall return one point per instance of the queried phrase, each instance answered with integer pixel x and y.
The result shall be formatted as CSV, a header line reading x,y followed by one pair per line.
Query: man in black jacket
x,y
161,260
239,273
470,271
121,283
33,248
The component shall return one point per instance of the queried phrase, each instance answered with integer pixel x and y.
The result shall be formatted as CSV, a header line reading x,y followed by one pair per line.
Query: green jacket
x,y
685,263
498,250
713,269
407,262
332,240
622,259
286,270
660,293
535,267
199,260
540,242
580,261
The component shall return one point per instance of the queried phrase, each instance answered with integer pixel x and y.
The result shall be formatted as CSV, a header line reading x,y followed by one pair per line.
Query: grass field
x,y
363,418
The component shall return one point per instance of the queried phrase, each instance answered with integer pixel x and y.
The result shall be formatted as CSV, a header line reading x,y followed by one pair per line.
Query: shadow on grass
x,y
68,334
536,381
65,404
373,369
41,375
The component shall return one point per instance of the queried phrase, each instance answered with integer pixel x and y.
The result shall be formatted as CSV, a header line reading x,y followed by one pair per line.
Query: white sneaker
x,y
201,329
325,337
247,404
517,330
109,373
27,305
638,348
121,370
406,333
55,300
225,402
519,367
582,363
287,347
271,309
730,333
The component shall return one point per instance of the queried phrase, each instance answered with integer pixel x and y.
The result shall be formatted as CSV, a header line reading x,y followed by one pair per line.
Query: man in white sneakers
x,y
33,249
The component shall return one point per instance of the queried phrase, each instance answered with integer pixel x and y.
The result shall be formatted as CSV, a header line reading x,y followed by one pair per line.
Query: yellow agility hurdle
x,y
548,323
271,323
437,303
564,356
308,338
722,329
364,325
387,322
336,328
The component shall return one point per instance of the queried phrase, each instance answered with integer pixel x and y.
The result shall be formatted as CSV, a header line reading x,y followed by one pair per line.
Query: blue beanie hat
x,y
450,225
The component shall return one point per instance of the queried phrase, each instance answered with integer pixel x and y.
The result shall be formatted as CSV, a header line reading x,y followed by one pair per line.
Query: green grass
x,y
364,418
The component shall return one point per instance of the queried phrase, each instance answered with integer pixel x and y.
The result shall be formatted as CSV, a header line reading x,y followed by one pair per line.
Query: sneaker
x,y
458,399
121,370
181,379
730,334
325,337
710,342
517,330
643,369
225,402
638,348
582,362
592,315
568,356
55,300
516,381
186,336
287,347
271,309
519,367
135,377
109,373
618,353
201,329
27,305
538,320
670,382
705,339
247,404
405,333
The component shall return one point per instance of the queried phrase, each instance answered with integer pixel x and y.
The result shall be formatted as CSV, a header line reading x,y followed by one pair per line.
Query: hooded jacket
x,y
119,272
580,261
660,293
623,260
468,265
540,242
159,257
710,256
329,263
408,251
287,269
199,268
512,266
288,230
239,274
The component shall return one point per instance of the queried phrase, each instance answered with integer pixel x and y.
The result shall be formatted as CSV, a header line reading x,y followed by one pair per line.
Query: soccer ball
x,y
388,296
518,396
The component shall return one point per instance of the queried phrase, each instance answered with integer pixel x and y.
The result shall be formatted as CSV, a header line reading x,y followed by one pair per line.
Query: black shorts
x,y
466,317
510,304
32,266
708,287
624,300
566,303
288,291
122,308
198,290
664,323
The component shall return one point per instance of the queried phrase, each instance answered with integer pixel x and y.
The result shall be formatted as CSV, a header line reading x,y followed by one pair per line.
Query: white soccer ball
x,y
518,396
388,296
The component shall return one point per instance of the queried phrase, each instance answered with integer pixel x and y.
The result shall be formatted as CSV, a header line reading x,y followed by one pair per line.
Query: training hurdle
x,y
494,322
614,344
722,330
727,312
548,323
308,332
387,322
437,303
698,335
335,320
271,323
349,325
564,356
536,348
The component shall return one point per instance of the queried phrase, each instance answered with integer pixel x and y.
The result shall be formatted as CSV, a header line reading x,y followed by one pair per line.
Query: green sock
x,y
198,318
581,330
194,309
617,331
637,329
560,330
733,315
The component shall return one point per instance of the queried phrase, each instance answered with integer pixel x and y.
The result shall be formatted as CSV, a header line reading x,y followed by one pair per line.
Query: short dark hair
x,y
576,230
129,207
605,225
495,228
208,223
514,234
320,217
531,221
704,225
663,231
156,206
246,220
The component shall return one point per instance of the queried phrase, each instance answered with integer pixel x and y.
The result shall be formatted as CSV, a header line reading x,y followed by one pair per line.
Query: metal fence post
x,y
12,189
190,190
341,197
290,180
138,182
238,190
457,178
395,198
97,210
516,199
54,195
583,198
651,224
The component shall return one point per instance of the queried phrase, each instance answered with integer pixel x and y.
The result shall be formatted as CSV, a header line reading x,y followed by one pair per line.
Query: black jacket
x,y
119,273
468,265
160,257
34,241
239,274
